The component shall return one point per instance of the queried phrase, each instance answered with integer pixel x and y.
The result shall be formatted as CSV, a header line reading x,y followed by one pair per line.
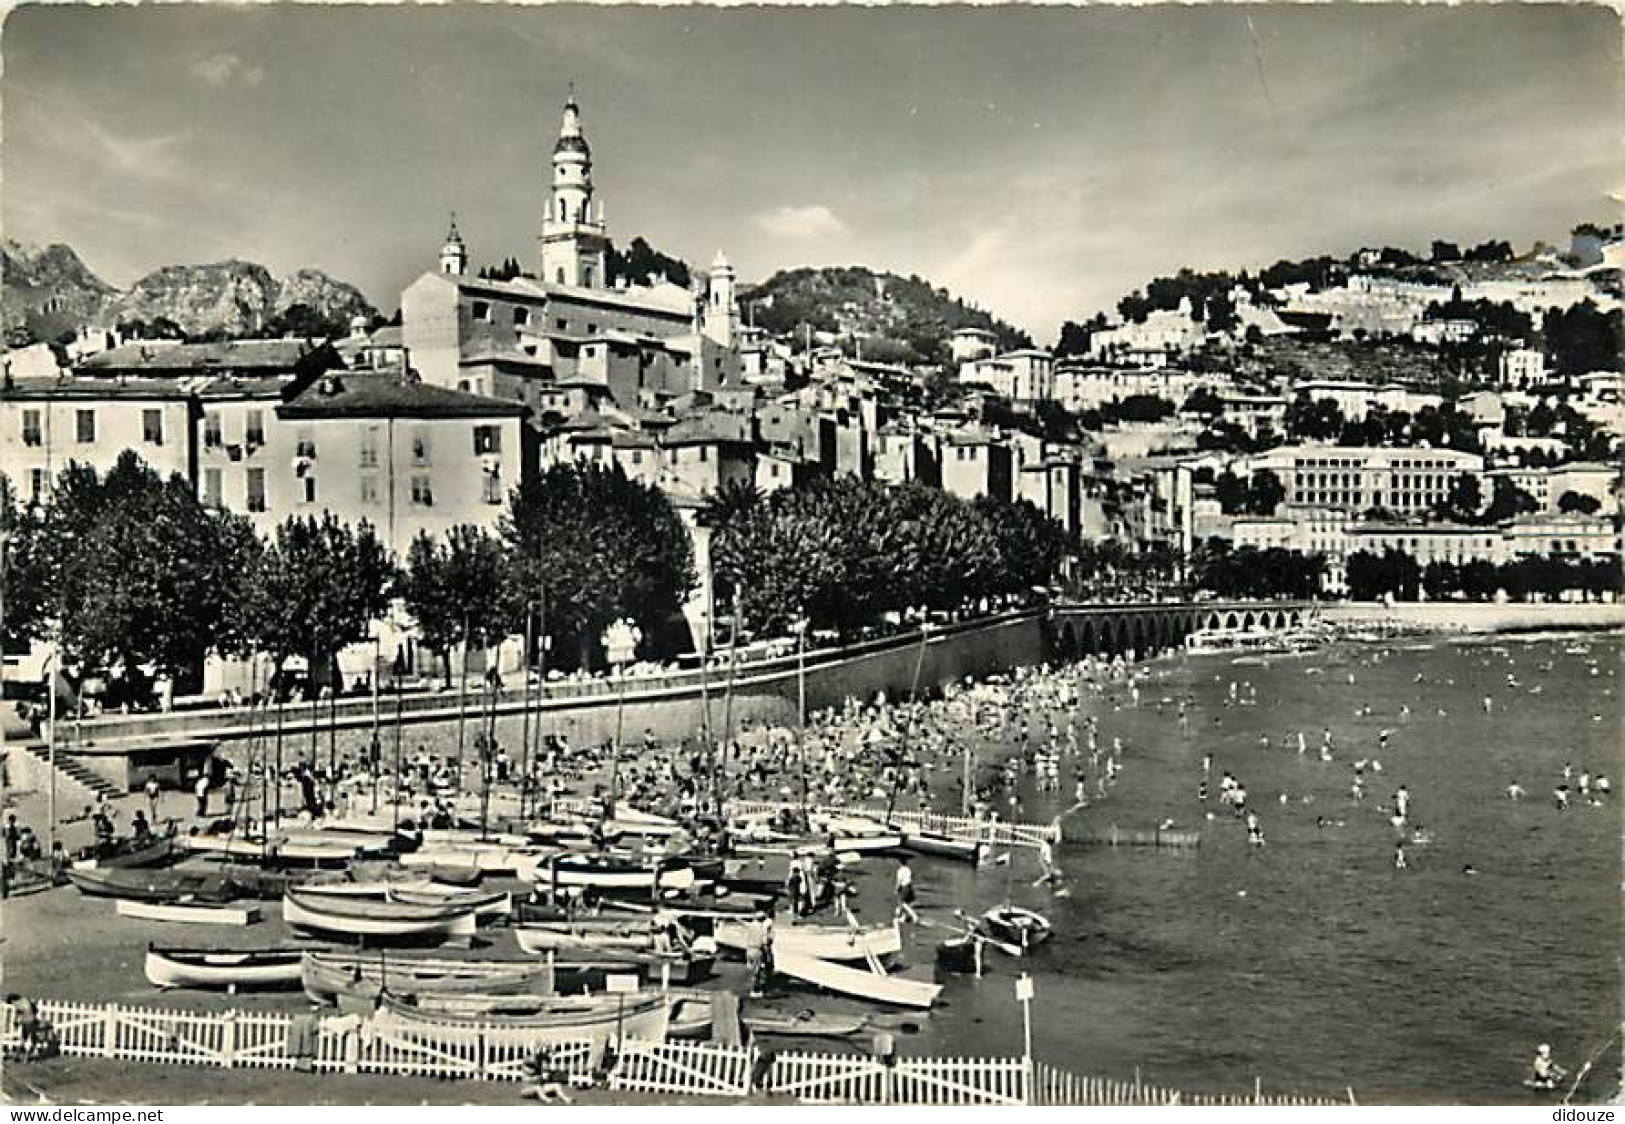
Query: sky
x,y
1040,162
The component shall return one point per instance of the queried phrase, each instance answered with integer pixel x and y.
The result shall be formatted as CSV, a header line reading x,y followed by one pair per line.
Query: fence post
x,y
228,1039
110,1031
1027,1075
352,1050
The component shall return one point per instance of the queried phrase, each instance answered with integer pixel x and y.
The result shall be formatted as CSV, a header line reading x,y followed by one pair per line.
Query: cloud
x,y
812,221
224,68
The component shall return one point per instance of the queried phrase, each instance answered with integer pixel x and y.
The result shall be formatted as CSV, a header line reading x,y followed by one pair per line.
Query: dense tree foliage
x,y
1527,577
1250,572
1259,494
457,589
134,572
1583,338
317,588
22,585
597,546
846,551
1578,503
642,264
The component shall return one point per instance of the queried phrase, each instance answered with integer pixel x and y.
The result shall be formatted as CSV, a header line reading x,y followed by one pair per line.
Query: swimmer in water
x,y
1515,791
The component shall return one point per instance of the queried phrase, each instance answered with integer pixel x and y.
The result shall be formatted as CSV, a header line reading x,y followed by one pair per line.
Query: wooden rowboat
x,y
162,885
130,852
827,942
1020,929
484,903
642,1016
861,982
611,873
691,1014
194,914
207,967
542,937
803,1024
365,917
944,846
328,976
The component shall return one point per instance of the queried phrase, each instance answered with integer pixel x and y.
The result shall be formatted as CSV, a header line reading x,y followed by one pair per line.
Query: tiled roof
x,y
268,356
354,394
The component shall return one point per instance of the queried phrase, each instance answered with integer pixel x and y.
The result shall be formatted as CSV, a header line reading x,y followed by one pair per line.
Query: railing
x,y
208,720
352,1044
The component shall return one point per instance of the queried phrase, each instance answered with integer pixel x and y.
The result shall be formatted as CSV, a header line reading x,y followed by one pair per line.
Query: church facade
x,y
569,324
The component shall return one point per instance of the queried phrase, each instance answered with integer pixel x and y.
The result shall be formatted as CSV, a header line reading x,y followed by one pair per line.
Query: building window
x,y
561,324
305,446
369,447
85,426
31,427
256,489
422,492
211,487
309,483
369,489
212,436
521,317
482,310
254,433
36,485
491,489
152,427
487,439
592,329
420,449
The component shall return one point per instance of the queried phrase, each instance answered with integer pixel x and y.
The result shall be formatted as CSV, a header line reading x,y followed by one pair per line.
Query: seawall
x,y
670,709
1451,616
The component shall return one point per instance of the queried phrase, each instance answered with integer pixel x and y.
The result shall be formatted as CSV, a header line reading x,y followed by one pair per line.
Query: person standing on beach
x,y
152,788
201,791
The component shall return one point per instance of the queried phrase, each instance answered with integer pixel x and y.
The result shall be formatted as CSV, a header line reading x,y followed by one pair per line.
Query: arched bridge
x,y
1106,630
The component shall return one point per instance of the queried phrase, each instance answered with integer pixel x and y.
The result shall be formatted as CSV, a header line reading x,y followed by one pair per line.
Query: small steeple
x,y
453,254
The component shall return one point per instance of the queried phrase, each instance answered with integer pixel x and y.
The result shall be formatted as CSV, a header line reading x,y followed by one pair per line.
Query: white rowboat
x,y
861,982
195,914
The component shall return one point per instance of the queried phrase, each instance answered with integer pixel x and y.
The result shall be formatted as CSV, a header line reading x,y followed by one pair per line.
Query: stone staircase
x,y
74,775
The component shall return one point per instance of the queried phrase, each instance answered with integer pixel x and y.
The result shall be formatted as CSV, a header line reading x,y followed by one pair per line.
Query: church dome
x,y
572,144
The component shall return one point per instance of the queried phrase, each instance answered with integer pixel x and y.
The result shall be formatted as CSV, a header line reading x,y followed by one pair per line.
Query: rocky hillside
x,y
50,291
47,291
899,319
237,298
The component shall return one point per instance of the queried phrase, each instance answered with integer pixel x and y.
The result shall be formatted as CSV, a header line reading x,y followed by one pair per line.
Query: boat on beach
x,y
802,1024
365,917
328,976
611,873
1020,928
155,850
940,845
863,983
231,968
191,913
644,1016
827,942
154,885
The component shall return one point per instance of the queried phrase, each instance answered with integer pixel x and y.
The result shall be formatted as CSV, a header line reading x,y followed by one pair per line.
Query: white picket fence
x,y
347,1044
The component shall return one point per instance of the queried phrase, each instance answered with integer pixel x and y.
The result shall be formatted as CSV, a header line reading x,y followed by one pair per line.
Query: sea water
x,y
1312,963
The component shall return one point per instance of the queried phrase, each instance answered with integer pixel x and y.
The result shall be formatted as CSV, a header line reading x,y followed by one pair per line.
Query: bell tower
x,y
575,247
454,255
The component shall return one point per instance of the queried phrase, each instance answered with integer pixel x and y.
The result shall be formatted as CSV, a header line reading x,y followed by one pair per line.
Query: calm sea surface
x,y
1312,962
